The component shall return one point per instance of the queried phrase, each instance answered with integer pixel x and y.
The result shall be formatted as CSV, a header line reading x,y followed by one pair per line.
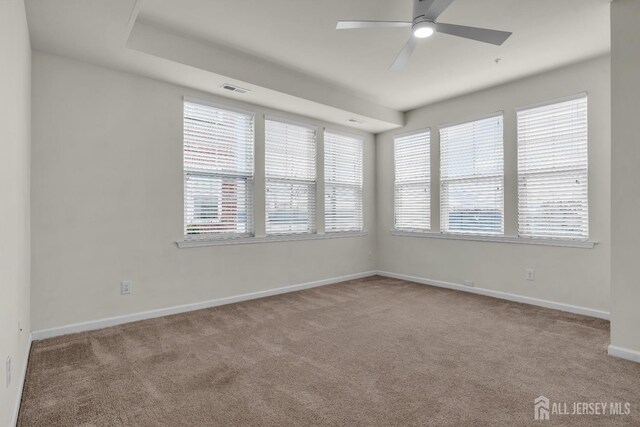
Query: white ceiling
x,y
290,54
301,34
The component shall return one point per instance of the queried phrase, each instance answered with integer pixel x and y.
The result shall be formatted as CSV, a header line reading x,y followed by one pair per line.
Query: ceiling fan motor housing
x,y
422,26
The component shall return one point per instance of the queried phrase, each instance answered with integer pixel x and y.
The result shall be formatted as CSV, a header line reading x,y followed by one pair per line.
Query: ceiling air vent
x,y
358,121
233,88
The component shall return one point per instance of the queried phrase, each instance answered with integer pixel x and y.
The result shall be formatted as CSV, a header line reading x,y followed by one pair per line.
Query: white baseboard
x,y
128,318
501,295
624,353
23,377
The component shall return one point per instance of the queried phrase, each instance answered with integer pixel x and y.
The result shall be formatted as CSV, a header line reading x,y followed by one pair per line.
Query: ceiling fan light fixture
x,y
424,29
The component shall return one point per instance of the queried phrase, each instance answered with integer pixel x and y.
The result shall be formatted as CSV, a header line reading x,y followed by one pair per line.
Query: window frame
x,y
543,104
416,183
249,178
357,187
500,176
313,184
258,206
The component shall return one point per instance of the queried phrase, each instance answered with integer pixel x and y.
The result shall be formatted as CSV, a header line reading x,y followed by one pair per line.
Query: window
x,y
552,171
412,189
472,175
218,171
290,152
343,182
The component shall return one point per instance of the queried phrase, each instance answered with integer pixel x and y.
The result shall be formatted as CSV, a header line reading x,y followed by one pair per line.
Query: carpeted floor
x,y
374,351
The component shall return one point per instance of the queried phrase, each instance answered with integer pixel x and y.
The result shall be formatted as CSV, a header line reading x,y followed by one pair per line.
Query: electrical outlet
x,y
8,371
468,283
126,287
531,275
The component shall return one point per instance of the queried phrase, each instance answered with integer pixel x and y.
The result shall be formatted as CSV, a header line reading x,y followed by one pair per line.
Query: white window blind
x,y
471,177
343,182
218,171
552,171
412,189
290,153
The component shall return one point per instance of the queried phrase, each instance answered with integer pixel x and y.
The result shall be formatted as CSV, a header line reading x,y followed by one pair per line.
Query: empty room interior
x,y
336,212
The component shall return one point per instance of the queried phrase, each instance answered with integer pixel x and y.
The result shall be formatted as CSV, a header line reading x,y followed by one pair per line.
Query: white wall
x,y
107,204
566,275
625,182
15,113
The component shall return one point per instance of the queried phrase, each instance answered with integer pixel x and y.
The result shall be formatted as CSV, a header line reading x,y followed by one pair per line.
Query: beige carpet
x,y
367,352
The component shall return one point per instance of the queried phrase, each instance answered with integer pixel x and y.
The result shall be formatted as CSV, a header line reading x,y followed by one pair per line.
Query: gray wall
x,y
107,204
572,276
15,129
625,182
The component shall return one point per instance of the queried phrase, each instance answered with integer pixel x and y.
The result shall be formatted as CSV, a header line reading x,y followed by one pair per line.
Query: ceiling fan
x,y
425,13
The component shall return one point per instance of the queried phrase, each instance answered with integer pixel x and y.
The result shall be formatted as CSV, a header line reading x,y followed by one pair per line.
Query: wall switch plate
x,y
468,283
531,275
126,287
8,371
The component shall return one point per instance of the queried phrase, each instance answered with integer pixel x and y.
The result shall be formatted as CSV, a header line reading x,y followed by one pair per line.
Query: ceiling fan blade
x,y
480,34
436,8
350,25
403,57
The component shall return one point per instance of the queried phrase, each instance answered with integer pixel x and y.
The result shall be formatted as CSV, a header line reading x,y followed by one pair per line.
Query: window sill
x,y
585,244
203,242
